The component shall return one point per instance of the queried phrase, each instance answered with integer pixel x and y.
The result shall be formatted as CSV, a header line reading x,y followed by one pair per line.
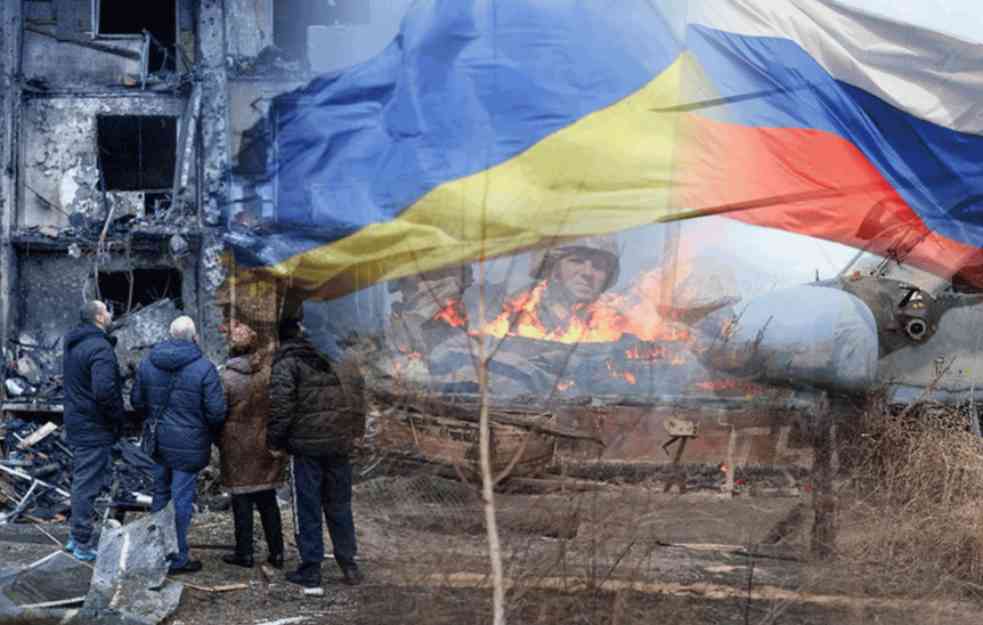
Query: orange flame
x,y
640,310
453,314
586,324
604,321
614,372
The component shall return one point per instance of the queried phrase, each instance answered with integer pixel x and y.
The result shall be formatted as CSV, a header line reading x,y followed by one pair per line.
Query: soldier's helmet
x,y
542,261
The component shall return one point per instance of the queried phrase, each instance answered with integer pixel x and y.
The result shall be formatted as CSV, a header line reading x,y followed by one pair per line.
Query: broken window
x,y
153,202
149,286
159,18
291,18
137,152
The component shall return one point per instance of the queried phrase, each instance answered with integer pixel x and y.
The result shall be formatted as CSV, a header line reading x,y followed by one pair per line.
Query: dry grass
x,y
915,521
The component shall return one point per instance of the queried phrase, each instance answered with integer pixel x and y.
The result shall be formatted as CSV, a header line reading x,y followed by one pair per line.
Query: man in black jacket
x,y
317,421
94,416
183,387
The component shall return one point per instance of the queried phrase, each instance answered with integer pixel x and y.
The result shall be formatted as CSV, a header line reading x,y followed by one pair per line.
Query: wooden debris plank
x,y
220,588
39,435
471,413
53,604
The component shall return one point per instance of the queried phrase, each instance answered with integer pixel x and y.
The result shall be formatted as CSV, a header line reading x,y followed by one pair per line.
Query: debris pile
x,y
33,369
91,228
36,477
138,332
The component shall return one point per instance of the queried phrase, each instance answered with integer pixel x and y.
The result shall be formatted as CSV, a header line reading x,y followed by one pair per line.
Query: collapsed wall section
x,y
74,147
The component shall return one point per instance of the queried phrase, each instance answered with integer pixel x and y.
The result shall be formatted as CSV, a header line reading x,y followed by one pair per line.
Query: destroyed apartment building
x,y
129,142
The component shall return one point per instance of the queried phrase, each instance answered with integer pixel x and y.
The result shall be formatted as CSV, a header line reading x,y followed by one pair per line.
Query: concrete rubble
x,y
137,332
127,586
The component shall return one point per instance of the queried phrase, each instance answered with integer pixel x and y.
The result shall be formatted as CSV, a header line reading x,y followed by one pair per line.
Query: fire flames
x,y
604,321
453,314
616,372
585,324
642,315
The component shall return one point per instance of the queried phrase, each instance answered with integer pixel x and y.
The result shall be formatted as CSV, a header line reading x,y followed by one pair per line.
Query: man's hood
x,y
298,347
84,331
171,355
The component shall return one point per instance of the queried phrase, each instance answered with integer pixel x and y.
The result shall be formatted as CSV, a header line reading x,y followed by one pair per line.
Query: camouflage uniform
x,y
513,371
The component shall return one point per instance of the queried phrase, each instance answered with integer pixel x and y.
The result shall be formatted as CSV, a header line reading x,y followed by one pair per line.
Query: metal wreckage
x,y
582,375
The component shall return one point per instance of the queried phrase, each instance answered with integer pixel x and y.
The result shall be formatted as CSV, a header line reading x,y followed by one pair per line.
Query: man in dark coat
x,y
317,421
183,388
94,416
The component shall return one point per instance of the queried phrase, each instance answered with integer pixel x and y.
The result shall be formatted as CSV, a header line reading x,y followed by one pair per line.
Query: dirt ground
x,y
628,554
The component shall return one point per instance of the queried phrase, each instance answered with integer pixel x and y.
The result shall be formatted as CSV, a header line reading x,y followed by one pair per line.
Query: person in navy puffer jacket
x,y
190,421
94,417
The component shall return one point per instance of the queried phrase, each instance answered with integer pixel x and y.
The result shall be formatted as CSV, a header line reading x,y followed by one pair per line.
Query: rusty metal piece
x,y
680,432
679,475
677,427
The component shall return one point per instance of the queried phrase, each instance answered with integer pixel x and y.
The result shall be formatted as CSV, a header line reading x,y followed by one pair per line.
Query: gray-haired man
x,y
183,387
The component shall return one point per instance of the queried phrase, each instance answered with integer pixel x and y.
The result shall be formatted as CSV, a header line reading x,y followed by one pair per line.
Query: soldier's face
x,y
582,275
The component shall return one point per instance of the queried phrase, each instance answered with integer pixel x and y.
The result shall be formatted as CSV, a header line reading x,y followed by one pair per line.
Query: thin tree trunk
x,y
487,476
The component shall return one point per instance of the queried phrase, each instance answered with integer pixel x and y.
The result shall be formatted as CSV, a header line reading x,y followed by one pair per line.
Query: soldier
x,y
575,275
567,279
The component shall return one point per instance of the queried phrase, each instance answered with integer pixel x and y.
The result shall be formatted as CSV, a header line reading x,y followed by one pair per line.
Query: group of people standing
x,y
264,410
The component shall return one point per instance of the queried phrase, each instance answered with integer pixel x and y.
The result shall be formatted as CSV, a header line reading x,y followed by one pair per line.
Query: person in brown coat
x,y
250,471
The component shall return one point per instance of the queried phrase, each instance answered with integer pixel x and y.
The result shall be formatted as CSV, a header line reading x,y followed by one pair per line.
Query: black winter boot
x,y
351,575
308,575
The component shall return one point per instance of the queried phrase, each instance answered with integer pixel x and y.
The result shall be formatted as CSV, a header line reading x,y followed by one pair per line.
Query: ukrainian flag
x,y
493,126
486,127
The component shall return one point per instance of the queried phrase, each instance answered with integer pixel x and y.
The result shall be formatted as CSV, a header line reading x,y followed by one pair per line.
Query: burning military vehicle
x,y
579,368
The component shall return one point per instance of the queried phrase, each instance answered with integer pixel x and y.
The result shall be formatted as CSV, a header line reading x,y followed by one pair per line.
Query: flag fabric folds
x,y
492,126
821,120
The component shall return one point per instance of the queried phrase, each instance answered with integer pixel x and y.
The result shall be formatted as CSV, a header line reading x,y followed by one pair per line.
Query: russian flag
x,y
823,120
493,126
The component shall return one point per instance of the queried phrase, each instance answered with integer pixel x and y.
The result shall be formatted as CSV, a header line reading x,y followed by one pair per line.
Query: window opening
x,y
137,152
149,286
131,17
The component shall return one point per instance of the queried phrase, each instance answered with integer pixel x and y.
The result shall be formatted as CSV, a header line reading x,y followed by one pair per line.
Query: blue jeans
x,y
91,472
182,487
324,485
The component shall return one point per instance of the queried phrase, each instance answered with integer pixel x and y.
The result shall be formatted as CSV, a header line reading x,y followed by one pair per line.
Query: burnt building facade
x,y
132,135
